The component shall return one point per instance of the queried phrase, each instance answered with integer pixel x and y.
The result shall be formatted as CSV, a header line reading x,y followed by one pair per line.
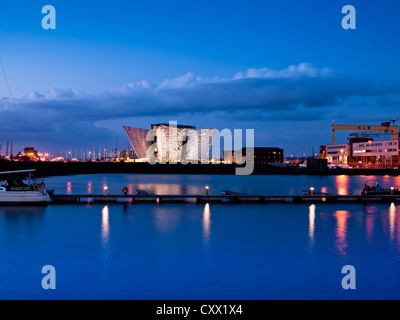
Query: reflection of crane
x,y
383,129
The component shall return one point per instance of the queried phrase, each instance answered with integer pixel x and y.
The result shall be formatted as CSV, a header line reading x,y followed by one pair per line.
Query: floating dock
x,y
235,199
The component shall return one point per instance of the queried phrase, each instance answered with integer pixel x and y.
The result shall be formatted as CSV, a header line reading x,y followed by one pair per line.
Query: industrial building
x,y
376,153
29,154
338,154
362,151
262,155
171,142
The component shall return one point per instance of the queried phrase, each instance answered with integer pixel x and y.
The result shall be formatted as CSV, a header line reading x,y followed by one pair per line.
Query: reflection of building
x,y
172,142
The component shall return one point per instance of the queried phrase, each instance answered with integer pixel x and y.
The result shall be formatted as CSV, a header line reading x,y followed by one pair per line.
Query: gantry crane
x,y
384,128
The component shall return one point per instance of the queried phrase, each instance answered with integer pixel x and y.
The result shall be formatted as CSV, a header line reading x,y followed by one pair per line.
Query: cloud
x,y
293,71
301,92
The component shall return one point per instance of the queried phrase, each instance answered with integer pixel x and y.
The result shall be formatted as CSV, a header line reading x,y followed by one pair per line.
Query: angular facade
x,y
137,138
173,143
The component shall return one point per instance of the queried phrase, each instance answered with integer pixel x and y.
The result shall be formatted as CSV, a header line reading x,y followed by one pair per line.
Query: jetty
x,y
233,199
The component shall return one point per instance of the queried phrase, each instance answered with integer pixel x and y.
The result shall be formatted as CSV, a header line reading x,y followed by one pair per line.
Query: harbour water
x,y
202,251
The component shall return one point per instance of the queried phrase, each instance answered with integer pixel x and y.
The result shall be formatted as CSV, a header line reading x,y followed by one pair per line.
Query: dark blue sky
x,y
284,68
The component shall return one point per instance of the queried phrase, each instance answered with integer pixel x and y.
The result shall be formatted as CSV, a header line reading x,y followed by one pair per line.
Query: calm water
x,y
208,251
194,184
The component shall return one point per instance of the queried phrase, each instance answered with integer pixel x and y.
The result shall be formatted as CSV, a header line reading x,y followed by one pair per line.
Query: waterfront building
x,y
171,142
231,156
383,153
363,154
362,151
262,155
338,154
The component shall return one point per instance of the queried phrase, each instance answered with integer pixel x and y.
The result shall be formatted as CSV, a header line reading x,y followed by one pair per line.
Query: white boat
x,y
16,191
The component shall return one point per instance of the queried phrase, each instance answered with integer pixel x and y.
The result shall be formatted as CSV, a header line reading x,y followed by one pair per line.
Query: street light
x,y
206,190
105,190
312,191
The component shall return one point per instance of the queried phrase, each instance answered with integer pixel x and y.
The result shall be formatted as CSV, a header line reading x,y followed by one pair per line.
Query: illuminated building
x,y
30,154
171,142
262,155
338,154
362,151
383,153
376,153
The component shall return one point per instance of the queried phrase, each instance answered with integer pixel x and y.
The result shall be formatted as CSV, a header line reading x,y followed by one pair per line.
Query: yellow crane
x,y
385,128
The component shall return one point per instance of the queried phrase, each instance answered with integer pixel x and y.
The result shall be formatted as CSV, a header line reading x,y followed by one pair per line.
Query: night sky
x,y
283,68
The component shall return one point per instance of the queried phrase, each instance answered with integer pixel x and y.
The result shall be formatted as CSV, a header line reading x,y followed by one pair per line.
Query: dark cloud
x,y
297,93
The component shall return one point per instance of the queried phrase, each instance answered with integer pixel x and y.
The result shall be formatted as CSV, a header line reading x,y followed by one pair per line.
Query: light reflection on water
x,y
194,184
370,219
311,217
157,251
342,183
69,188
341,241
206,222
201,251
105,227
392,220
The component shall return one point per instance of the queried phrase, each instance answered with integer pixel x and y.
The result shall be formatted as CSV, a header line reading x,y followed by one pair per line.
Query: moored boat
x,y
17,191
373,187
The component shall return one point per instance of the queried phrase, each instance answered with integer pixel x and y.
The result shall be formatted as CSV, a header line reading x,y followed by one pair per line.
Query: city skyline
x,y
279,68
